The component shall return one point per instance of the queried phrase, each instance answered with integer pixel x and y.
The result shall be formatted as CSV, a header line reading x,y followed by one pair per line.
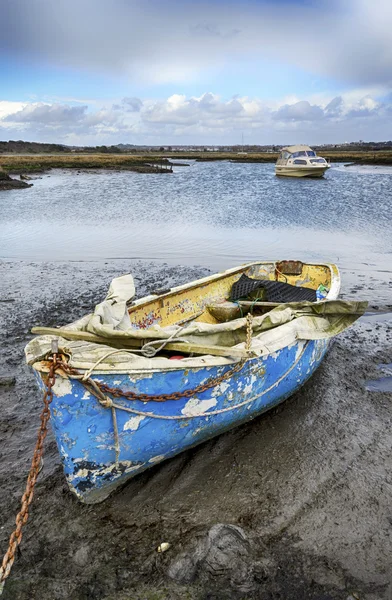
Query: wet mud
x,y
294,505
8,183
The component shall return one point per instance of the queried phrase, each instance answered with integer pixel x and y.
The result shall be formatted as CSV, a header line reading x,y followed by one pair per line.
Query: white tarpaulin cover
x,y
282,326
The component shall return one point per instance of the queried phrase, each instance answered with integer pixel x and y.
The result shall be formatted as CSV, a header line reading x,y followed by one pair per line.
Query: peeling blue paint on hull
x,y
85,433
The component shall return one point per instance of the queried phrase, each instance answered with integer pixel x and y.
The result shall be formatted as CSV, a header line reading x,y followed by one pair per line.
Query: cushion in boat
x,y
276,291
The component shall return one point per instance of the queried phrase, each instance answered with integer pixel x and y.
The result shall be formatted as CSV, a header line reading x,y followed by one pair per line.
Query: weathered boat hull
x,y
85,432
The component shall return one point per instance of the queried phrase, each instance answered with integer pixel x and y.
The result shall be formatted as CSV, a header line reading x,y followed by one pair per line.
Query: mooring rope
x,y
147,349
99,390
107,402
36,463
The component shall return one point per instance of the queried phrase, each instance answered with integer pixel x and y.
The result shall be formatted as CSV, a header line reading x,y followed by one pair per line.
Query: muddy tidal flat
x,y
294,505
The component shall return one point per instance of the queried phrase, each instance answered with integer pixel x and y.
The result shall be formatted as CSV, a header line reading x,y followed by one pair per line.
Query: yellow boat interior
x,y
197,300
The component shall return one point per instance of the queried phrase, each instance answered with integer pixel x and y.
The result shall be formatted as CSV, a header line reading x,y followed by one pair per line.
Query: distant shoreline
x,y
163,162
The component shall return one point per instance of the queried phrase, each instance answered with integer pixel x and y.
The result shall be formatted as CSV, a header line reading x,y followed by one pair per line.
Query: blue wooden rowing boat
x,y
105,440
85,433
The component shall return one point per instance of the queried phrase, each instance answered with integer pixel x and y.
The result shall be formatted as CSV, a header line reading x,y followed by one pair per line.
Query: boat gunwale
x,y
221,275
304,167
220,361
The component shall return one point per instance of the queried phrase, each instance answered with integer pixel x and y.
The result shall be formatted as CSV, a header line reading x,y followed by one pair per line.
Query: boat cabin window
x,y
311,153
300,153
298,161
317,160
285,155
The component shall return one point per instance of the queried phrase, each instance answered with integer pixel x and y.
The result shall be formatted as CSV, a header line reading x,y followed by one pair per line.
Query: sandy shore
x,y
295,505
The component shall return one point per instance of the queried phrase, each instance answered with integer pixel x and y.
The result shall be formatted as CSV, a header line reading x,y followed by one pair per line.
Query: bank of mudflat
x,y
38,163
9,183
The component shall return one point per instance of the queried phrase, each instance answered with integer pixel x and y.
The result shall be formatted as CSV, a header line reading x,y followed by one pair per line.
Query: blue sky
x,y
97,72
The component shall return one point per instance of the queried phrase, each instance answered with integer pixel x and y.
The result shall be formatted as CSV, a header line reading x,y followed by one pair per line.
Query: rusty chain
x,y
119,393
249,329
23,514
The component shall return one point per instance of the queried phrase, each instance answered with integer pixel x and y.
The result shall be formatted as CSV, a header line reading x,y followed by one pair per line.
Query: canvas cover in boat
x,y
281,327
297,148
275,291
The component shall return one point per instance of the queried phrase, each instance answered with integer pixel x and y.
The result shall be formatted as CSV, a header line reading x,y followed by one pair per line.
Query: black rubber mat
x,y
275,291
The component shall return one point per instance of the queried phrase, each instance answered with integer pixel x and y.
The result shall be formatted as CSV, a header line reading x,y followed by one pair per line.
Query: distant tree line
x,y
21,147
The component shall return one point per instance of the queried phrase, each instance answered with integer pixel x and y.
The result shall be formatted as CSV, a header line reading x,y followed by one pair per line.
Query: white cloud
x,y
207,111
7,108
204,119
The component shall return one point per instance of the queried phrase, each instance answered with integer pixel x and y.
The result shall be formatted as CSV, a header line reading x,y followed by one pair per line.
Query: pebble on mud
x,y
81,556
224,553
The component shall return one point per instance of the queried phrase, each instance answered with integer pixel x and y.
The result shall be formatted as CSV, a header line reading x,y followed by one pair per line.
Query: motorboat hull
x,y
300,172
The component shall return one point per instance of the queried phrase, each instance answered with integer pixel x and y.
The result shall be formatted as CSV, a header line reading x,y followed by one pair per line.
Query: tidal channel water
x,y
213,214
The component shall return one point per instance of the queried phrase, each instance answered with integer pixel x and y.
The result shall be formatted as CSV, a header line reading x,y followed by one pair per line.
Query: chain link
x,y
23,514
249,329
119,393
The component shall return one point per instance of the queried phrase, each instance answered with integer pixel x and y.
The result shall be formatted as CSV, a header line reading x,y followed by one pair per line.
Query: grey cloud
x,y
132,104
209,103
300,111
64,120
335,107
102,117
359,112
48,114
208,29
168,41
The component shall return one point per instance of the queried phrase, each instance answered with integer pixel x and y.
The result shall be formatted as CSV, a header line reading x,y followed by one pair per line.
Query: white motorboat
x,y
300,161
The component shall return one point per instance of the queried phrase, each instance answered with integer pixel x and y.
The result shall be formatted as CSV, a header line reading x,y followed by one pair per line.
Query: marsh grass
x,y
41,162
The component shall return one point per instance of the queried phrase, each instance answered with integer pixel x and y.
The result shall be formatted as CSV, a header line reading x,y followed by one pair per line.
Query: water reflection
x,y
384,384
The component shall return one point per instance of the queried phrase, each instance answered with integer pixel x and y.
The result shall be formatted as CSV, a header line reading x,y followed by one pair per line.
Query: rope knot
x,y
149,351
106,402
